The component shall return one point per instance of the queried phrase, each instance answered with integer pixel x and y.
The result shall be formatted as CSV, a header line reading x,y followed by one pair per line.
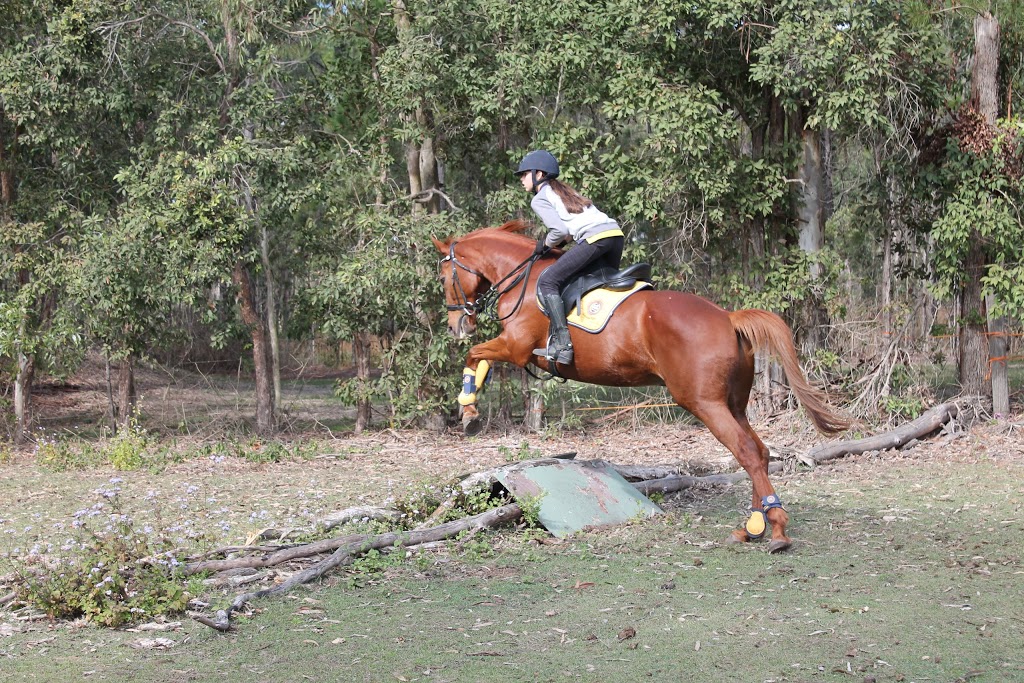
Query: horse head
x,y
470,265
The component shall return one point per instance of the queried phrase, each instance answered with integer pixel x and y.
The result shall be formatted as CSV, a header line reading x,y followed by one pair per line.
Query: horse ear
x,y
441,246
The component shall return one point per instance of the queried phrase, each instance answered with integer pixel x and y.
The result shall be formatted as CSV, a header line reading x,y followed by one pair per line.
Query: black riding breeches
x,y
604,253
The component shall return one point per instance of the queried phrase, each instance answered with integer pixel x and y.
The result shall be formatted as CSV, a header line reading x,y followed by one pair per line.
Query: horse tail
x,y
764,329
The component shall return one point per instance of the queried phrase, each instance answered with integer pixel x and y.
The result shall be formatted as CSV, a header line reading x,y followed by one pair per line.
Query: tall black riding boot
x,y
559,348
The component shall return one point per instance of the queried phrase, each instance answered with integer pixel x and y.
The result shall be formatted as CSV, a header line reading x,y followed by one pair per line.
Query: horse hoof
x,y
473,426
737,536
777,546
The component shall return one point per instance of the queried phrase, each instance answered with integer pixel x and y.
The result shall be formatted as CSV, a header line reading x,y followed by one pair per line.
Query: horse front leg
x,y
474,375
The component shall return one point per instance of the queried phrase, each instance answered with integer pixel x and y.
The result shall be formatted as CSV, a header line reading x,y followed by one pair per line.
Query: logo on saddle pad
x,y
597,307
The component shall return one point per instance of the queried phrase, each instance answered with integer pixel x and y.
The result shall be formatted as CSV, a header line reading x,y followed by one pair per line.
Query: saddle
x,y
603,278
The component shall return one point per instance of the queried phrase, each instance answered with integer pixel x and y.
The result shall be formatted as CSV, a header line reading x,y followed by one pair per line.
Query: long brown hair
x,y
573,200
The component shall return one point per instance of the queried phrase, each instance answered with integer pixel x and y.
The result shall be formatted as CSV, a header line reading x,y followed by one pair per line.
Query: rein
x,y
519,274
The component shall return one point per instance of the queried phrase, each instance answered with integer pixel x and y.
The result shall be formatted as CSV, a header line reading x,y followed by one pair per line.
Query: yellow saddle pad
x,y
598,305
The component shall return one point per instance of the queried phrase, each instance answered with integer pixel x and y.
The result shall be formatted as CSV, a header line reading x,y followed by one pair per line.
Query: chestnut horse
x,y
703,354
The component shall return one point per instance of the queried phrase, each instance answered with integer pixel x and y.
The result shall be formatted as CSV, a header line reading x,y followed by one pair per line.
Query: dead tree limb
x,y
641,473
294,552
336,519
359,514
678,483
929,422
347,553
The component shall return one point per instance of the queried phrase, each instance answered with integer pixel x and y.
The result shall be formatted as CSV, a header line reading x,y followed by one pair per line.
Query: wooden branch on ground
x,y
900,437
336,519
4,599
359,514
287,554
678,483
640,473
347,553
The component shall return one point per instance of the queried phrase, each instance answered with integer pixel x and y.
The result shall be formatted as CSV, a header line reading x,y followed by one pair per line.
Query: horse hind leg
x,y
770,504
751,453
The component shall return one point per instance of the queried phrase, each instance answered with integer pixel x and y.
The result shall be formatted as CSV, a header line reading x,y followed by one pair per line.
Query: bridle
x,y
519,274
491,296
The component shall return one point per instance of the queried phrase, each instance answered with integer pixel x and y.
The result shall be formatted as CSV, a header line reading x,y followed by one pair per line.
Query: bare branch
x,y
110,27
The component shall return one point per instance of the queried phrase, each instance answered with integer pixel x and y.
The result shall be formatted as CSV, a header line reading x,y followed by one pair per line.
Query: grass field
x,y
907,567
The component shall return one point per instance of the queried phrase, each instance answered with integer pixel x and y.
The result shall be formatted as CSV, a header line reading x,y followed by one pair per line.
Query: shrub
x,y
112,576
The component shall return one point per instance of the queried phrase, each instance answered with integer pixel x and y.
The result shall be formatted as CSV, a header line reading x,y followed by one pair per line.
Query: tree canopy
x,y
274,170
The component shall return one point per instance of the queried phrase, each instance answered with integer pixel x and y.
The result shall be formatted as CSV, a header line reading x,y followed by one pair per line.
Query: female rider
x,y
568,216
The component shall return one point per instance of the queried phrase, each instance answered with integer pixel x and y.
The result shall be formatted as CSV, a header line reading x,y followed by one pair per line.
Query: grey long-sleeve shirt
x,y
589,225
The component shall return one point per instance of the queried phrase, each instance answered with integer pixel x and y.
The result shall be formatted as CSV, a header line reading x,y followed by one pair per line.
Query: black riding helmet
x,y
539,160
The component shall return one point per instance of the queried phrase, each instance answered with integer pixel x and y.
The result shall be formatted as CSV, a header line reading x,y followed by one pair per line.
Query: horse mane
x,y
512,229
517,225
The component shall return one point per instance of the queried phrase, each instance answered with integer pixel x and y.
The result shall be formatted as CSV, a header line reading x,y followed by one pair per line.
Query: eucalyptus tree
x,y
63,131
979,226
229,172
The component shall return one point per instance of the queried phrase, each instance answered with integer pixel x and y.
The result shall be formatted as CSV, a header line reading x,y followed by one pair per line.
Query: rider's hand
x,y
540,248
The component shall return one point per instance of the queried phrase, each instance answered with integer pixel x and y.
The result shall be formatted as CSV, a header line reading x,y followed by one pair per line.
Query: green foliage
x,y
909,407
983,205
115,575
475,547
787,282
375,561
855,66
530,505
160,156
419,503
389,288
127,448
524,452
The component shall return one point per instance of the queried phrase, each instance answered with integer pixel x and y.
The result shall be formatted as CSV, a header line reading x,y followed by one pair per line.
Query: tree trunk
x,y
428,163
361,359
985,70
886,283
974,350
265,423
755,252
126,391
23,396
534,409
272,324
111,405
8,140
412,166
811,221
997,353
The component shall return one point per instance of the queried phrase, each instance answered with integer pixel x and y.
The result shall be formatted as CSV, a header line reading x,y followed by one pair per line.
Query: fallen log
x,y
287,554
347,553
634,473
359,514
675,483
900,437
